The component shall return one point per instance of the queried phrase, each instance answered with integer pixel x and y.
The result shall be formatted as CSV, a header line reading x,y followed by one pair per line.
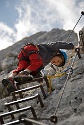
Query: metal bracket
x,y
77,50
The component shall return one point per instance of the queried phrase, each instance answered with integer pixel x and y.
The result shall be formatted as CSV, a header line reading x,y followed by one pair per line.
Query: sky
x,y
23,18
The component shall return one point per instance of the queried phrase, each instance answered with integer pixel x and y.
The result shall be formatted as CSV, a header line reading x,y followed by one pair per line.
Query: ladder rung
x,y
12,123
17,111
30,88
26,99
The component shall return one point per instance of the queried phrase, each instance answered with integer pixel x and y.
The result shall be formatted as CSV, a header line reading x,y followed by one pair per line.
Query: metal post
x,y
40,100
42,89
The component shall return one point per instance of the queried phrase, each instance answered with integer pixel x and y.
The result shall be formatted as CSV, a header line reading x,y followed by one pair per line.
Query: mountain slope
x,y
71,108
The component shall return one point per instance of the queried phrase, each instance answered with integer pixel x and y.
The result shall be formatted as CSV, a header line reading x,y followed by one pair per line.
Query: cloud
x,y
30,19
44,15
23,26
68,13
6,36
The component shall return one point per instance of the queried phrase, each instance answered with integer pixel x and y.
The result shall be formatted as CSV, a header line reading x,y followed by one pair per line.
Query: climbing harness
x,y
50,82
28,53
70,69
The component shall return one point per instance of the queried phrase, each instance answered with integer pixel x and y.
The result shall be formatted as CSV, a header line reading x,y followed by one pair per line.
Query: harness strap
x,y
28,54
26,58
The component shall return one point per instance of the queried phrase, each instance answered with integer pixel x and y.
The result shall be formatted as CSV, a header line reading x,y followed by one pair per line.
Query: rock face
x,y
81,35
9,62
71,107
70,110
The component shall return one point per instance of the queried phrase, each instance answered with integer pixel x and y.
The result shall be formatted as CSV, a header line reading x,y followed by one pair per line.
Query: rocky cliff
x,y
71,108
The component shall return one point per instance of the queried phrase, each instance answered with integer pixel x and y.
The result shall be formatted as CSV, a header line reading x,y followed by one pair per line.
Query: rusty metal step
x,y
8,105
40,80
27,89
26,99
17,111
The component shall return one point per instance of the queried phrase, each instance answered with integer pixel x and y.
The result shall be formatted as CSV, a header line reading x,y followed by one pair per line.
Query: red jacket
x,y
35,60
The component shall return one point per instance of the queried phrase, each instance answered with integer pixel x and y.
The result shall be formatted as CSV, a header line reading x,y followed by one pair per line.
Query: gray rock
x,y
71,106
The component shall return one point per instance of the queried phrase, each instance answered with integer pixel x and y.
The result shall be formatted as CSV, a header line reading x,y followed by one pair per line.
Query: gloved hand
x,y
48,72
51,71
25,72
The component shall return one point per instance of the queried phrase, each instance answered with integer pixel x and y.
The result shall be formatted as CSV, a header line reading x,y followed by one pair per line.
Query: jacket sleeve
x,y
60,45
21,66
35,62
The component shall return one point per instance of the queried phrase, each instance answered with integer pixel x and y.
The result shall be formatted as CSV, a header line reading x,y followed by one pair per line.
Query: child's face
x,y
56,60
